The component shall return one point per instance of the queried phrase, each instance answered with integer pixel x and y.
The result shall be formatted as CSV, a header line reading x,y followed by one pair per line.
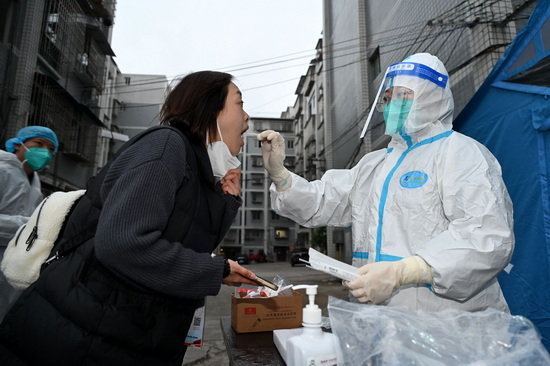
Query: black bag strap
x,y
34,233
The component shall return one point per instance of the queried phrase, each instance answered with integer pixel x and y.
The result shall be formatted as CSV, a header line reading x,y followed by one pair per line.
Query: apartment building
x,y
55,58
310,130
57,70
136,103
257,228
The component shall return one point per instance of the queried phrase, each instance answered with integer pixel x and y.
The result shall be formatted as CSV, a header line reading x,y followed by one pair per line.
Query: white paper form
x,y
329,265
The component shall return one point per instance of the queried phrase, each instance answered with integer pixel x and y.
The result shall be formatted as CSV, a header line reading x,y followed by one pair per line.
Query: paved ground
x,y
213,351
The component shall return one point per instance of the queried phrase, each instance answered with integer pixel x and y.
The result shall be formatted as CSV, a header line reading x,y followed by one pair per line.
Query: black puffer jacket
x,y
81,313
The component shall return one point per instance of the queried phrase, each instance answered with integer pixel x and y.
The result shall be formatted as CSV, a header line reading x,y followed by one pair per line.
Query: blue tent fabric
x,y
510,114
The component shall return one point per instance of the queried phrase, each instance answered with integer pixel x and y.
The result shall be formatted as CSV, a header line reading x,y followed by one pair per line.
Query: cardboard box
x,y
266,314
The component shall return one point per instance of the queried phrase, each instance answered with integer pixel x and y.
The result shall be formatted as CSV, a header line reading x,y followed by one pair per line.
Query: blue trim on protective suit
x,y
407,139
360,255
384,194
383,257
389,258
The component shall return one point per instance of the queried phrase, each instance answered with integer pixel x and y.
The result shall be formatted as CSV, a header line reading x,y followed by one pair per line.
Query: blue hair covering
x,y
31,132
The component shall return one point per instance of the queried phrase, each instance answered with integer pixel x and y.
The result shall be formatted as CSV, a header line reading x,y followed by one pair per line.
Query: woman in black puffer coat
x,y
147,226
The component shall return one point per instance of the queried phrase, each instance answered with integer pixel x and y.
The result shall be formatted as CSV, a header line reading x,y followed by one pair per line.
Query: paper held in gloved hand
x,y
329,265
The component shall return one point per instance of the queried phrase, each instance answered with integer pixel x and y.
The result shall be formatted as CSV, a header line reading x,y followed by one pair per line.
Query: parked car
x,y
297,254
242,259
259,257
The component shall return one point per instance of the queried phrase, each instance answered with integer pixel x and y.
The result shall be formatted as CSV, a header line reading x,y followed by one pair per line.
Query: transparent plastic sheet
x,y
285,287
379,335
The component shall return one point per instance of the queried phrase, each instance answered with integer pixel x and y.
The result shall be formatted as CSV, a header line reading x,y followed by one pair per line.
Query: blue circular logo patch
x,y
414,179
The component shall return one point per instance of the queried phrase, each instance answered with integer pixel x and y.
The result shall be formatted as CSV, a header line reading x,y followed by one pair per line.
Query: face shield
x,y
410,96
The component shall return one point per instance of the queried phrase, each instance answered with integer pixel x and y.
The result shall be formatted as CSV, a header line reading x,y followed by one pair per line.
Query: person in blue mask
x,y
431,218
20,190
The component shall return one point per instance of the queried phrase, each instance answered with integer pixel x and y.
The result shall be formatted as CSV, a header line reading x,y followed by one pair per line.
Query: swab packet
x,y
321,262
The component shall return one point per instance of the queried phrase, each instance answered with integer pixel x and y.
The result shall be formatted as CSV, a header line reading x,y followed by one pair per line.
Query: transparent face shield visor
x,y
396,96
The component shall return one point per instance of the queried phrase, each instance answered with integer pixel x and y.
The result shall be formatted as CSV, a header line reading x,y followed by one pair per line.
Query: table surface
x,y
246,349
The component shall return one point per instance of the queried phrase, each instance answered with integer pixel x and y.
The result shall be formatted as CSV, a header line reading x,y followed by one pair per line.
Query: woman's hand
x,y
239,275
231,182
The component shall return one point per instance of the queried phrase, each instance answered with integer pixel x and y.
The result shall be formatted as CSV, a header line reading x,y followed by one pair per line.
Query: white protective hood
x,y
433,104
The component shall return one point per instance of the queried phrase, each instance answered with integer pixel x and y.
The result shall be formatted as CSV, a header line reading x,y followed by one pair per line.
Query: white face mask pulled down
x,y
221,158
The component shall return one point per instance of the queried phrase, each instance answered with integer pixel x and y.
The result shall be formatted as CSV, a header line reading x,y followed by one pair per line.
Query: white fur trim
x,y
22,267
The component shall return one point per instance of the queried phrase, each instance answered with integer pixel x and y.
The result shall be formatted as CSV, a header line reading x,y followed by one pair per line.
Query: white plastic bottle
x,y
313,347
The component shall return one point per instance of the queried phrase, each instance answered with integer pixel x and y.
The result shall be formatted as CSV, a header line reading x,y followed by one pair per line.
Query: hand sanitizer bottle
x,y
313,347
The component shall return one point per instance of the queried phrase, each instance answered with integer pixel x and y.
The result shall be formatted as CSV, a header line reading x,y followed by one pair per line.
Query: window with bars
x,y
257,197
253,234
256,215
53,107
69,42
257,179
257,161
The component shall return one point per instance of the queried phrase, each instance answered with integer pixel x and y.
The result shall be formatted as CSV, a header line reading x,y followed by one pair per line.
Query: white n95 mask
x,y
221,158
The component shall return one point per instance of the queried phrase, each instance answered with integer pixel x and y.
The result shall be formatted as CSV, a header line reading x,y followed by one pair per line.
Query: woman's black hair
x,y
194,104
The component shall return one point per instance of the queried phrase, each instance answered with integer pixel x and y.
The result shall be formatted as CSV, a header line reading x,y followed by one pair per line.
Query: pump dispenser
x,y
313,346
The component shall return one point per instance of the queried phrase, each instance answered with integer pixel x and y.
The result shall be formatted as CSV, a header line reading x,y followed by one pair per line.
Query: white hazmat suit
x,y
18,199
434,194
18,196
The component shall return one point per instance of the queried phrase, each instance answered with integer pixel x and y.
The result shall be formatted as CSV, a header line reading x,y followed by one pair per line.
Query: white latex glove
x,y
379,280
273,151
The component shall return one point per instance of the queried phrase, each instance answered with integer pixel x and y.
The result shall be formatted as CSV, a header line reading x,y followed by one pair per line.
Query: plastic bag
x,y
379,335
283,289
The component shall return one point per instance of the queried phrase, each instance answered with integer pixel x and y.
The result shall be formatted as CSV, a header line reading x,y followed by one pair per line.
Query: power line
x,y
353,62
345,46
269,61
465,7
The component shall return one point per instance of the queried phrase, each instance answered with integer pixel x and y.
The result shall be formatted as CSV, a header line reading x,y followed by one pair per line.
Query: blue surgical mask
x,y
37,157
395,115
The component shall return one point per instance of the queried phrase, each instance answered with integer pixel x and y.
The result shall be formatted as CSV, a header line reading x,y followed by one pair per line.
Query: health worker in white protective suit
x,y
431,218
20,189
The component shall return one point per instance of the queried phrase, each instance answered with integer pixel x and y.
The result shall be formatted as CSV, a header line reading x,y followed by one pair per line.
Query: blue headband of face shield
x,y
418,70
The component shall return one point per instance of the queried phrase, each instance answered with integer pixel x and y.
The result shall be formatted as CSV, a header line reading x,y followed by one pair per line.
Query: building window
x,y
374,64
312,106
256,215
257,179
290,144
281,233
231,235
253,234
257,161
257,197
127,80
275,216
289,162
52,27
